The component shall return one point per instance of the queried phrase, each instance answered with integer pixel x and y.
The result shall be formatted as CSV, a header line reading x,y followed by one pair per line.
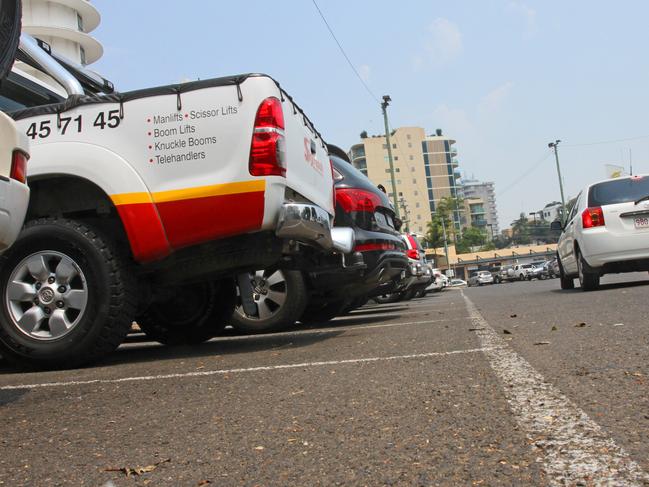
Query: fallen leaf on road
x,y
554,328
203,482
542,343
128,471
618,324
513,316
475,329
259,448
507,332
580,325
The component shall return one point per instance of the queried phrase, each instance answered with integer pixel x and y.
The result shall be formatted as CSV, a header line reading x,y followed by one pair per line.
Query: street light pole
x,y
554,145
384,106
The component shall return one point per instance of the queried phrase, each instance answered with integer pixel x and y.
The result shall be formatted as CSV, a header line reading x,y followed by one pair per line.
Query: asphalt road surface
x,y
511,384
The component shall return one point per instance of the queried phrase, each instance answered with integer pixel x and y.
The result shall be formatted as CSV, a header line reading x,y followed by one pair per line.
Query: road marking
x,y
208,373
574,449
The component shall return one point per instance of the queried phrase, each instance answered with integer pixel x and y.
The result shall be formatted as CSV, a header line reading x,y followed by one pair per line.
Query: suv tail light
x,y
413,254
268,149
593,217
19,167
351,199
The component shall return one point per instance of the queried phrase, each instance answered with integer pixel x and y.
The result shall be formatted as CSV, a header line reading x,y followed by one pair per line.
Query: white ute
x,y
146,204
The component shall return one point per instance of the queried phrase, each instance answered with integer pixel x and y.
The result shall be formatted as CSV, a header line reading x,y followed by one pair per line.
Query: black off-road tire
x,y
111,296
588,279
283,317
189,314
10,23
565,281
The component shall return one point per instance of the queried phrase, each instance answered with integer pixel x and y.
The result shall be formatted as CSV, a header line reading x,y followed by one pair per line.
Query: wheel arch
x,y
91,182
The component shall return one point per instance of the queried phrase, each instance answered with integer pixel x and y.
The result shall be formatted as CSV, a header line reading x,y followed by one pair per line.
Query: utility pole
x,y
554,145
448,264
384,106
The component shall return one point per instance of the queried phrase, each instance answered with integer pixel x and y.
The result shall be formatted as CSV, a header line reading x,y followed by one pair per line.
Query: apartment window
x,y
408,136
414,181
80,22
394,146
399,182
396,158
385,146
400,193
418,217
416,193
412,158
410,144
417,205
82,55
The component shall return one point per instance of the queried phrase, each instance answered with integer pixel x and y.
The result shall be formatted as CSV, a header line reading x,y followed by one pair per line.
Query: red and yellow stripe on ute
x,y
157,223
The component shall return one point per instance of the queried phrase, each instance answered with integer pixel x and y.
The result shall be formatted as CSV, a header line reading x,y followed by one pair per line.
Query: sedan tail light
x,y
19,167
593,217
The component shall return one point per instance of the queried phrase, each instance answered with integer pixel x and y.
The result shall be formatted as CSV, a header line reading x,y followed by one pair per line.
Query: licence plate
x,y
641,221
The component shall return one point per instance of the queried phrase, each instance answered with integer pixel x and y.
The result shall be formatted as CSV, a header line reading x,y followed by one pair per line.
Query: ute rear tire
x,y
10,22
68,296
280,297
188,314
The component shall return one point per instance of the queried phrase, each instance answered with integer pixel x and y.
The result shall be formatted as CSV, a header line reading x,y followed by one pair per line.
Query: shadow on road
x,y
605,287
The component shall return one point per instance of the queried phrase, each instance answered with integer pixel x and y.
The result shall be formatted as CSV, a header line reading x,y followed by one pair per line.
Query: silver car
x,y
480,278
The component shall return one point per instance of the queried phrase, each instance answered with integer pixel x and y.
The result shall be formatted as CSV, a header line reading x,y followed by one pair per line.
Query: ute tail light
x,y
593,217
19,166
413,254
354,200
268,148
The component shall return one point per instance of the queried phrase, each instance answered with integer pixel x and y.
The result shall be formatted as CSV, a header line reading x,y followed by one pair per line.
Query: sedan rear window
x,y
618,191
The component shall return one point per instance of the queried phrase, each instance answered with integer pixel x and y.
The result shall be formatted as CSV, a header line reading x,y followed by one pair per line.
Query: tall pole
x,y
554,145
384,106
448,264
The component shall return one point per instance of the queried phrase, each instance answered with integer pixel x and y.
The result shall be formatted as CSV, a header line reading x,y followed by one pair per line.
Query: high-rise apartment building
x,y
65,25
425,167
486,213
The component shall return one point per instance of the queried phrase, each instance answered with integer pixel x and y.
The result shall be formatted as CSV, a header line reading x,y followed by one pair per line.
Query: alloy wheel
x,y
46,295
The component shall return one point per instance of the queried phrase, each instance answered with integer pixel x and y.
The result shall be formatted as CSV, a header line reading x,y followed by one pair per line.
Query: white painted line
x,y
208,373
574,449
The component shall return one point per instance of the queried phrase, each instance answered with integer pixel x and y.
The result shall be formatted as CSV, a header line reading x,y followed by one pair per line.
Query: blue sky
x,y
502,77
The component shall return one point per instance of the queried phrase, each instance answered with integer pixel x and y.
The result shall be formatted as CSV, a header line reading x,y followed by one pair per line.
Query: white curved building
x,y
65,25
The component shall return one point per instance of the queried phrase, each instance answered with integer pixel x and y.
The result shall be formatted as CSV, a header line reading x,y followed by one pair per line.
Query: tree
x,y
434,237
520,230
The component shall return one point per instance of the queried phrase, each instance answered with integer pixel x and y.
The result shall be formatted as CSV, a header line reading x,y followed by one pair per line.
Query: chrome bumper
x,y
312,225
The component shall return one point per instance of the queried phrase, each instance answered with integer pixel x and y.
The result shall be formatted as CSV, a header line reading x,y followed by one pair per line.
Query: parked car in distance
x,y
14,192
607,231
457,283
523,271
553,268
538,271
480,278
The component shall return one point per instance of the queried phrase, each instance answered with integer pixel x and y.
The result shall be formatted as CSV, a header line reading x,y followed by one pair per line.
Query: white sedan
x,y
14,193
607,231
